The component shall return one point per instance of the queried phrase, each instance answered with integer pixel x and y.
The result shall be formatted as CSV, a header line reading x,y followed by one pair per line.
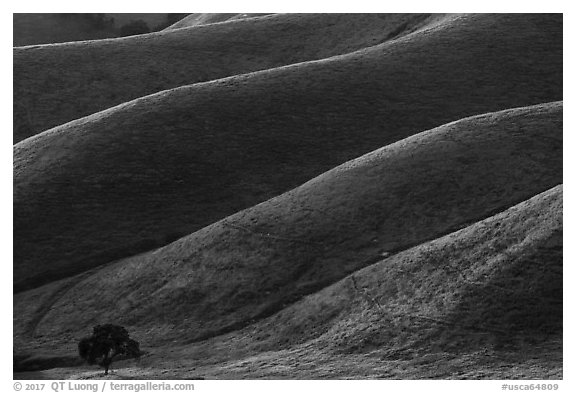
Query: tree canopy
x,y
108,341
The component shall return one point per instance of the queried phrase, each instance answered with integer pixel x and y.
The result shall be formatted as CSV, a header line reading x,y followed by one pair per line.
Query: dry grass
x,y
54,84
422,327
257,261
438,255
103,187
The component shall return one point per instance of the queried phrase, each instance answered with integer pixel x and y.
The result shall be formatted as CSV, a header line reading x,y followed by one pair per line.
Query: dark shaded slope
x,y
104,187
30,29
58,83
253,263
49,28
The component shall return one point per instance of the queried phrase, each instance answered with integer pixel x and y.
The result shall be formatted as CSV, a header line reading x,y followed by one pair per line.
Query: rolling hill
x,y
256,262
482,302
144,173
59,83
293,196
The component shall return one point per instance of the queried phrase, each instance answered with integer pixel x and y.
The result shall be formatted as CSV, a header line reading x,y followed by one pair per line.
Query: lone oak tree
x,y
106,342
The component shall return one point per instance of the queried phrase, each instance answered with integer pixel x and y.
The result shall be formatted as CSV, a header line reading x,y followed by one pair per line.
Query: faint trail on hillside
x,y
46,306
365,293
274,308
467,280
387,312
273,237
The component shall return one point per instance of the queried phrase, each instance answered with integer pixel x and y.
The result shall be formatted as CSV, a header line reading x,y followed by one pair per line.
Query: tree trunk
x,y
106,362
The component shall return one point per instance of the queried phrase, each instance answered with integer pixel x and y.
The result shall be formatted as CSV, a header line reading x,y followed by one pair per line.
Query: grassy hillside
x,y
59,83
103,187
482,302
256,262
292,196
491,285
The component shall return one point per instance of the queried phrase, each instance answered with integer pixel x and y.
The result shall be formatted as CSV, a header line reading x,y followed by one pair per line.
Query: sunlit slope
x,y
482,302
501,277
254,263
145,173
55,84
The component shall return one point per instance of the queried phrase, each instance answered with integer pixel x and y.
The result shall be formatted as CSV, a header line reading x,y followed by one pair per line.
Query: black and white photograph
x,y
287,196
